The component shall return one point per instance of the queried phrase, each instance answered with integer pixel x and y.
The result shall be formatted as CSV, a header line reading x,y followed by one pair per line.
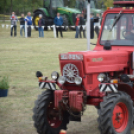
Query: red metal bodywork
x,y
117,60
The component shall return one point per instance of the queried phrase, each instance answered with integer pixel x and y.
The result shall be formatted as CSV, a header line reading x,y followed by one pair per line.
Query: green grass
x,y
20,58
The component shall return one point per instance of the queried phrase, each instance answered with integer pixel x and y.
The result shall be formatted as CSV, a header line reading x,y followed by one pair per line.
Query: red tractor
x,y
103,77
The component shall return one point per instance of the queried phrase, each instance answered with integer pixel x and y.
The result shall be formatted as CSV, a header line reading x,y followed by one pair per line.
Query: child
x,y
41,23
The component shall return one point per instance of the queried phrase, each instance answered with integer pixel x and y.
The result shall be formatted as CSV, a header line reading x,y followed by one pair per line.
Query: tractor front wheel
x,y
116,114
48,120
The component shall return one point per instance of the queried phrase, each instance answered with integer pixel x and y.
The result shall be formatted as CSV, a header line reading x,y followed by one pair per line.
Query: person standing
x,y
14,20
22,24
58,21
82,22
28,19
77,21
97,30
41,23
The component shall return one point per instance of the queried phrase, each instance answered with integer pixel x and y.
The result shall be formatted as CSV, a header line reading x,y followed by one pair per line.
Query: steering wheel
x,y
126,34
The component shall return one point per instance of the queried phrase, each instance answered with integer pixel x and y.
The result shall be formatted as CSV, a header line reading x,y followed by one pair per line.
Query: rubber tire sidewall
x,y
49,129
124,99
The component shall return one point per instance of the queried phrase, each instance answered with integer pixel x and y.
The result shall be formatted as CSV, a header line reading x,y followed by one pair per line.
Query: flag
x,y
3,25
73,26
11,26
32,27
43,27
21,26
62,26
49,28
84,27
7,26
78,27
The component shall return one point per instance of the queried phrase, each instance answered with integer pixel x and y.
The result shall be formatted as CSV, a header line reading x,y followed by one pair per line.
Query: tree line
x,y
23,6
19,6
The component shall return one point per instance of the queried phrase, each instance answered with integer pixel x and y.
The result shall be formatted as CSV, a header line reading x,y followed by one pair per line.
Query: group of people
x,y
58,21
23,20
80,21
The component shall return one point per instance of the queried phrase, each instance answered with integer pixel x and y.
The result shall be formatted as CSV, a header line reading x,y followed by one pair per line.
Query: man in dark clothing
x,y
77,22
28,19
41,24
14,20
97,30
22,24
58,21
82,22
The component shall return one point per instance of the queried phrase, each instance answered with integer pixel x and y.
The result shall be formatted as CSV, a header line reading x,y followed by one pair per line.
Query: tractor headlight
x,y
78,80
55,75
101,77
62,80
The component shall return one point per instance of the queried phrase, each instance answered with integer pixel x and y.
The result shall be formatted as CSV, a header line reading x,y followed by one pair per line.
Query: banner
x,y
11,26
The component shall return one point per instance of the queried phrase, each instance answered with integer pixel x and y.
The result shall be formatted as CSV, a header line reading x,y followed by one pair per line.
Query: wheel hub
x,y
120,117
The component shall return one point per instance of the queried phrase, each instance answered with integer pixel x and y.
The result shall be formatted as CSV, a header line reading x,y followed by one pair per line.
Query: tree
x,y
11,6
108,3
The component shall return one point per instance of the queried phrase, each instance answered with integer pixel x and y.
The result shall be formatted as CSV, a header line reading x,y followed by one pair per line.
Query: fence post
x,y
25,29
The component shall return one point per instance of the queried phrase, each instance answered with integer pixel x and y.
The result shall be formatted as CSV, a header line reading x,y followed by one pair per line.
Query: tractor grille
x,y
70,71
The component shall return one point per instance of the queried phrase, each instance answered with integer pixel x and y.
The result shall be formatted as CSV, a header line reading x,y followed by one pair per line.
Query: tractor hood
x,y
66,9
101,61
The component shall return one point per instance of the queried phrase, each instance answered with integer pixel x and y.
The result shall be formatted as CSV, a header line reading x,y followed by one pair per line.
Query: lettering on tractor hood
x,y
97,59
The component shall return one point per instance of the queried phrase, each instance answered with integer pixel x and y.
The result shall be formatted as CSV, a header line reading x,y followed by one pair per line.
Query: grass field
x,y
20,58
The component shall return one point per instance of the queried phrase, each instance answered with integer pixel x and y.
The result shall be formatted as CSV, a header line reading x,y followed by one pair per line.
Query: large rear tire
x,y
116,114
65,22
46,117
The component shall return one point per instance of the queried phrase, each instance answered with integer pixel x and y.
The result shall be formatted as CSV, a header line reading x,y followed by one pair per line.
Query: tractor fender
x,y
126,88
43,10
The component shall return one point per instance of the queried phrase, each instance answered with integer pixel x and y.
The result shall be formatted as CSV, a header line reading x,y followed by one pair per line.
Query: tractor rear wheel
x,y
116,114
65,22
46,117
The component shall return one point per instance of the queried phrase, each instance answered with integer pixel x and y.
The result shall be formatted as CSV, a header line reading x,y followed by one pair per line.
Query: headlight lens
x,y
78,80
101,77
55,75
62,80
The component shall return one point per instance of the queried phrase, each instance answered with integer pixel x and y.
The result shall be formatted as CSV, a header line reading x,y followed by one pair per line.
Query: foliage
x,y
105,3
4,83
19,6
108,3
